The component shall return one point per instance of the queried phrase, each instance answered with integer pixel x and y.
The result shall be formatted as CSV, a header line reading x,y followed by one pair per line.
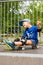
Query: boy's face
x,y
25,24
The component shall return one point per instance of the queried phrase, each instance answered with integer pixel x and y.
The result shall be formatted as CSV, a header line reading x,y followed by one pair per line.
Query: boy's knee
x,y
29,42
18,43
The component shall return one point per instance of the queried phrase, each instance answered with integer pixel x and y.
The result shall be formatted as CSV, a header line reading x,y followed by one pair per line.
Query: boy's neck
x,y
29,26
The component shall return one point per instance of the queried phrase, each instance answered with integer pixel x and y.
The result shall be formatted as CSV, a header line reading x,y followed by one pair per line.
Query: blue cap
x,y
24,20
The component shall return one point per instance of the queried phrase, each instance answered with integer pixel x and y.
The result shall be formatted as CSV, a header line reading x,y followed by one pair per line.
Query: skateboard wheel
x,y
23,48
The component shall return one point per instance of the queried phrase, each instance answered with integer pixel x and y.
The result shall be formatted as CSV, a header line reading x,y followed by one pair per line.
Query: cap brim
x,y
24,20
21,23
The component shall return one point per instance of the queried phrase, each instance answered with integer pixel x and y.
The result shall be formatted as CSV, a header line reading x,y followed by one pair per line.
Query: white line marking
x,y
21,55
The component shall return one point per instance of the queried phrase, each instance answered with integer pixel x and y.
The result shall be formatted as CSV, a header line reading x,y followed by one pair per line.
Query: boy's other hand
x,y
39,24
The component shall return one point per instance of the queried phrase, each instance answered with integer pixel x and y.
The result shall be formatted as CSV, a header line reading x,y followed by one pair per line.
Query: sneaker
x,y
34,46
11,44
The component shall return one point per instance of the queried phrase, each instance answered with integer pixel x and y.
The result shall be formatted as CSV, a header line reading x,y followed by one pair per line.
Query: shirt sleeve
x,y
38,30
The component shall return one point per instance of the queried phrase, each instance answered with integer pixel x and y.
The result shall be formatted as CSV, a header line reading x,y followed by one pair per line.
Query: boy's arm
x,y
39,26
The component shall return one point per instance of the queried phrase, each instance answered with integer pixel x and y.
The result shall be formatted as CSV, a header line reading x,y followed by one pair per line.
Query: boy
x,y
30,35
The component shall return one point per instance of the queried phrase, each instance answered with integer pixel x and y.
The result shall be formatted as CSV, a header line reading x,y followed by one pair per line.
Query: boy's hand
x,y
39,24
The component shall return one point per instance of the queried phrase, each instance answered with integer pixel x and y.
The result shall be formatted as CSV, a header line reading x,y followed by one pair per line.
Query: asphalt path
x,y
21,57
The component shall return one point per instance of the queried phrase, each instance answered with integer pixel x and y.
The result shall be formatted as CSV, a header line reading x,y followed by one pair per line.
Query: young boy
x,y
30,35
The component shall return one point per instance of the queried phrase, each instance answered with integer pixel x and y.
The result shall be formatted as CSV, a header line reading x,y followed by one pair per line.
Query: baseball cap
x,y
24,20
